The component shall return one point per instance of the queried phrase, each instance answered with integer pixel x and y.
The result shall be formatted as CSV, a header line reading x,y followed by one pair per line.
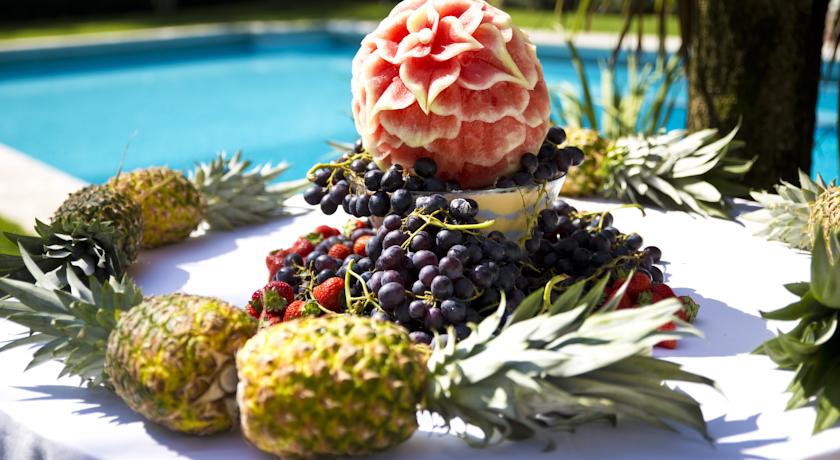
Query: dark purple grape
x,y
358,147
543,172
463,288
393,276
310,259
655,253
359,166
285,274
428,274
581,256
418,288
451,267
392,258
547,154
482,276
423,258
507,277
532,245
490,297
360,232
460,252
373,247
476,254
379,204
634,241
599,243
454,311
392,180
349,204
362,206
375,282
313,194
379,315
425,167
391,295
646,261
338,191
656,275
576,155
512,251
505,182
462,331
328,206
433,184
364,264
413,184
413,223
445,239
599,258
581,236
418,309
325,262
556,135
392,222
326,274
463,208
401,314
561,207
420,337
434,319
493,250
293,259
422,240
548,220
373,179
441,287
394,238
529,163
522,178
401,201
322,177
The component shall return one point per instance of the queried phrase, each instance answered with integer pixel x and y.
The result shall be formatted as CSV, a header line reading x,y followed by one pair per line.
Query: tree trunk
x,y
759,61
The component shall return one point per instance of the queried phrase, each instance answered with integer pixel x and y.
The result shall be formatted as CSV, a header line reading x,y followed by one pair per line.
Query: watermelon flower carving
x,y
453,80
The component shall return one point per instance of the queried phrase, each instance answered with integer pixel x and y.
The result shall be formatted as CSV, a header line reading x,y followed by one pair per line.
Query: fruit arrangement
x,y
793,214
419,303
810,348
99,229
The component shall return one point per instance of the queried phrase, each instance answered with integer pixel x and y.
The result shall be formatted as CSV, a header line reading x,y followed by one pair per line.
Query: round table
x,y
730,272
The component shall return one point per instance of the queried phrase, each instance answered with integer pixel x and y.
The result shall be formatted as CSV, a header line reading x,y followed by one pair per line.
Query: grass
x,y
272,11
6,246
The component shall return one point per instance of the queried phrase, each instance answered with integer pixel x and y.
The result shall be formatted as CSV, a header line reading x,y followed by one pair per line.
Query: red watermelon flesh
x,y
453,80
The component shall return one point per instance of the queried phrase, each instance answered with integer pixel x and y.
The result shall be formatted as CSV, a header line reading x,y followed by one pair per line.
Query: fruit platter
x,y
429,292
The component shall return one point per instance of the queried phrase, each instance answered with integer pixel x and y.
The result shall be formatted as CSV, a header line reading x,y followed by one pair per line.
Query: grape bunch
x,y
355,183
550,163
564,241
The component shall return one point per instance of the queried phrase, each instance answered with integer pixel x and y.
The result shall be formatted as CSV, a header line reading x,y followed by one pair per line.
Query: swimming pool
x,y
275,96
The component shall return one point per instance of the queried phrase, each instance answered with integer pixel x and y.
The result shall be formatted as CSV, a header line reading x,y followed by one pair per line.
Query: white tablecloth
x,y
730,272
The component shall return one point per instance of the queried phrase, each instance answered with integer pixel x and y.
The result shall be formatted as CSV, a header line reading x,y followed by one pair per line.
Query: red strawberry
x,y
253,312
329,293
274,261
326,231
339,251
277,295
270,319
638,284
302,247
689,310
617,283
662,291
361,224
299,309
644,298
669,344
360,245
625,301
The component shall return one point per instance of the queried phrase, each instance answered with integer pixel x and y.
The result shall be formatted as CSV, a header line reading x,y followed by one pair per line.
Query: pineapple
x,y
810,348
341,385
221,192
170,358
674,170
793,214
95,204
89,249
172,206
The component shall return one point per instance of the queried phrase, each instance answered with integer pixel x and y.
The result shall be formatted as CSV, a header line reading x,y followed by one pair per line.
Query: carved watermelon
x,y
453,80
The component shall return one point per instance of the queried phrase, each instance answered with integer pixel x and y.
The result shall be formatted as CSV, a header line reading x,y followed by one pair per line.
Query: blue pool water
x,y
276,98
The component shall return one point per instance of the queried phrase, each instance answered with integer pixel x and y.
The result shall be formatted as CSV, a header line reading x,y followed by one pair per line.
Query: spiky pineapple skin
x,y
165,354
825,212
172,206
97,203
588,178
336,385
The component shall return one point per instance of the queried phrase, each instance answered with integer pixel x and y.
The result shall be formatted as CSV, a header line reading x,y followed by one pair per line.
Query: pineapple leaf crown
x,y
787,212
554,366
676,170
90,249
810,347
71,327
237,196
